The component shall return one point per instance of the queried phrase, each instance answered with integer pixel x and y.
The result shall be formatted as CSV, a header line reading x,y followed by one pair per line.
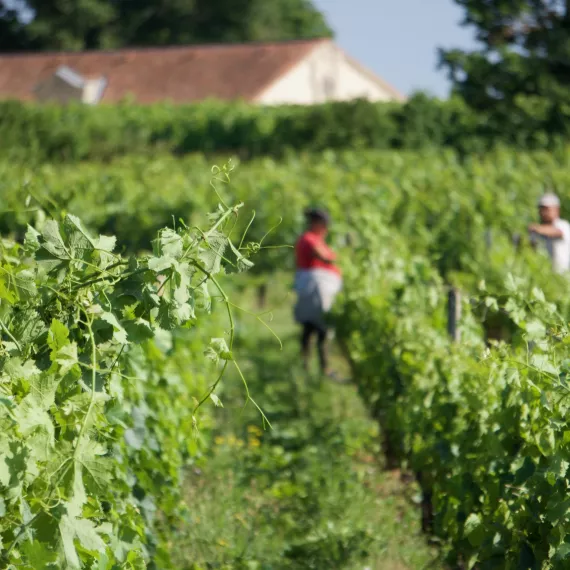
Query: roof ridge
x,y
173,47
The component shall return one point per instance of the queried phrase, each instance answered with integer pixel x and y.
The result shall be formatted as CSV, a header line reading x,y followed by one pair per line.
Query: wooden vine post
x,y
454,314
262,295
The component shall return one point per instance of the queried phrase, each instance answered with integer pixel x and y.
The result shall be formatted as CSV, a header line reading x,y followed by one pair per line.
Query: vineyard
x,y
153,410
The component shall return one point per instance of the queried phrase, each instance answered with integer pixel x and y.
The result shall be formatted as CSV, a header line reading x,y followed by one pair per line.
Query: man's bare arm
x,y
323,255
546,230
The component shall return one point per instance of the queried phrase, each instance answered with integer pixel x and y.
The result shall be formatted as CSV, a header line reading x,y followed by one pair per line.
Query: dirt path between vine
x,y
309,493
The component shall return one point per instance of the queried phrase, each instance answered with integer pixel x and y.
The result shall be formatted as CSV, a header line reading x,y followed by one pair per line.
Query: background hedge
x,y
77,132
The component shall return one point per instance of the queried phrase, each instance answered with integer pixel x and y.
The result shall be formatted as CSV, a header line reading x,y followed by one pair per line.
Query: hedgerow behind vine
x,y
99,372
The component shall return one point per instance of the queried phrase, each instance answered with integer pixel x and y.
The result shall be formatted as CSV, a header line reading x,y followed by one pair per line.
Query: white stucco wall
x,y
93,91
325,75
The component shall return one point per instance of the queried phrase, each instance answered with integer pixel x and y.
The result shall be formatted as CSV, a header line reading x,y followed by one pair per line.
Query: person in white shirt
x,y
553,232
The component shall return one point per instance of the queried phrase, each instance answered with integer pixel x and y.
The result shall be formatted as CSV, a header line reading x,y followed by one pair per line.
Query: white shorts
x,y
316,290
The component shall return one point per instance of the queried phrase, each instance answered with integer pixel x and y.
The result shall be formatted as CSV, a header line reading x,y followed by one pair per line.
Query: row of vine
x,y
103,370
483,424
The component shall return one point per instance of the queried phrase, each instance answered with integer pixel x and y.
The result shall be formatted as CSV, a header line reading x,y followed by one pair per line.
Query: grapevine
x,y
101,359
482,424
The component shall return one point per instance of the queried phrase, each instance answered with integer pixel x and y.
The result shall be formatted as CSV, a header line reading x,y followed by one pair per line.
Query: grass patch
x,y
311,493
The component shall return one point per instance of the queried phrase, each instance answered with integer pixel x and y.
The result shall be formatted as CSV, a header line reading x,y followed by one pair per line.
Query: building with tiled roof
x,y
296,72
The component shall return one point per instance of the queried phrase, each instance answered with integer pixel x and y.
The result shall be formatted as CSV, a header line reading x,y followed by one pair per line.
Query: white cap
x,y
549,199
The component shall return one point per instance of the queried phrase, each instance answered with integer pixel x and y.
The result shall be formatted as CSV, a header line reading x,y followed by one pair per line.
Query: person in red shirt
x,y
317,281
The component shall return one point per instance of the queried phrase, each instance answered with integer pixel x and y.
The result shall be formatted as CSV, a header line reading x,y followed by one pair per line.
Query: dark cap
x,y
314,214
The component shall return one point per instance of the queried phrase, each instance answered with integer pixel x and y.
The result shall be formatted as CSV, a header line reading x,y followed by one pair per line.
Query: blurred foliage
x,y
483,424
106,24
426,194
519,74
39,133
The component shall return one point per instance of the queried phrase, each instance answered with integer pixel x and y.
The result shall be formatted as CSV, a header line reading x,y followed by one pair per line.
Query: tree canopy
x,y
524,56
107,24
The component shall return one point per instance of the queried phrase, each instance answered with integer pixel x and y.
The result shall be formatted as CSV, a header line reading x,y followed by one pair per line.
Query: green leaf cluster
x,y
101,370
425,195
483,423
57,133
104,24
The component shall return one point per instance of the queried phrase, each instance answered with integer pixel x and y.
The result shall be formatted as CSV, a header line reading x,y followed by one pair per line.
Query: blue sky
x,y
398,39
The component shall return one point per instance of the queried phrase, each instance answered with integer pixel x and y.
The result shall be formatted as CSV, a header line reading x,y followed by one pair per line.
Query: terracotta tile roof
x,y
179,74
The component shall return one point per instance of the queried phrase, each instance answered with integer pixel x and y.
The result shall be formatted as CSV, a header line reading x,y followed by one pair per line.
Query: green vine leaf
x,y
95,388
218,350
